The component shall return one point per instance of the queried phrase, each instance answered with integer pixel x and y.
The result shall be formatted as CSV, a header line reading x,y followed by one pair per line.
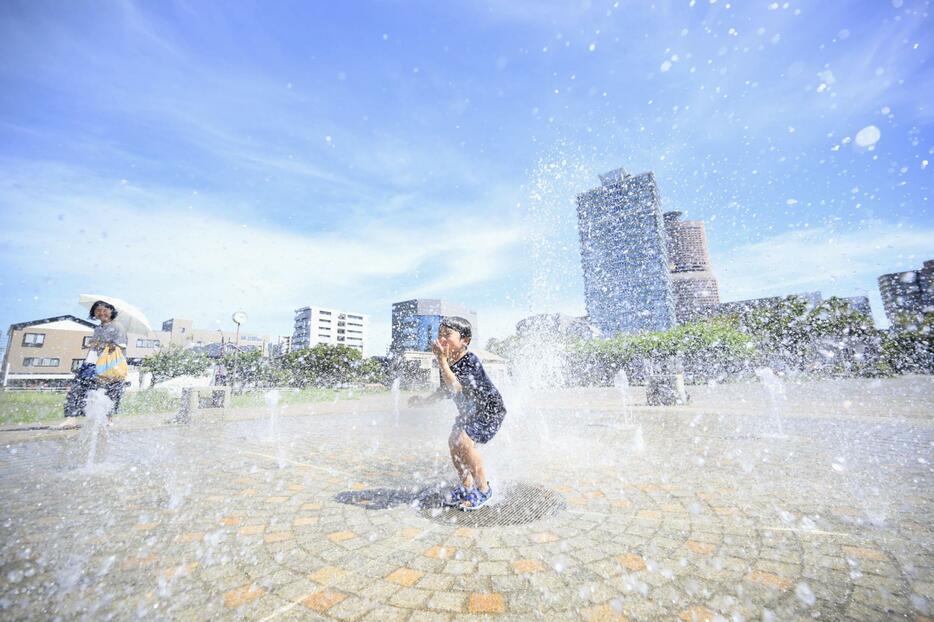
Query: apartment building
x,y
314,325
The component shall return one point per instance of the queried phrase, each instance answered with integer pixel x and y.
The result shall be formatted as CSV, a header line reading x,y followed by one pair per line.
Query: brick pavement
x,y
707,513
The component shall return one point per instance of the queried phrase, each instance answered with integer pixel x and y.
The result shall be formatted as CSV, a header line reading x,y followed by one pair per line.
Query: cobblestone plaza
x,y
729,508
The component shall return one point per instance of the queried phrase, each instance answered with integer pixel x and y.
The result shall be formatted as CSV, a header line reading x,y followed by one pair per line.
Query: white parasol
x,y
129,317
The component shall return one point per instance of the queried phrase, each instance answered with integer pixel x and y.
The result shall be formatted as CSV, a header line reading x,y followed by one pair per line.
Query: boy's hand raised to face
x,y
439,348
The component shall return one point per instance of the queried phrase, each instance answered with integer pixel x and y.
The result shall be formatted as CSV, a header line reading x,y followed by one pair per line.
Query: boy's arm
x,y
447,376
435,396
424,400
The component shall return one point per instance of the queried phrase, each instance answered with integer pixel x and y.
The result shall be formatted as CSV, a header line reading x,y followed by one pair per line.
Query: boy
x,y
480,410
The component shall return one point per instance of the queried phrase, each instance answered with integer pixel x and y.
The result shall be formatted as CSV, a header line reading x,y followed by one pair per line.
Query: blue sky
x,y
197,157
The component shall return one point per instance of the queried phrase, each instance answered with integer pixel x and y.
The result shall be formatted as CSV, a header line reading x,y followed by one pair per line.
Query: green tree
x,y
706,349
324,365
909,346
782,329
254,369
373,371
836,316
173,361
840,333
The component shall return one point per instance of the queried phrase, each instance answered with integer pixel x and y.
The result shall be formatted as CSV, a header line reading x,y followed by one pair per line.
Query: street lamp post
x,y
220,354
238,318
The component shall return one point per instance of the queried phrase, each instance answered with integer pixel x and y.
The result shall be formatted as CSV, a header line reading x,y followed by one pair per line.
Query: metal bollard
x,y
189,402
665,390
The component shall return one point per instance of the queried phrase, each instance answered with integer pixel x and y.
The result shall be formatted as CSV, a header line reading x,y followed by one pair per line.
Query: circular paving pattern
x,y
339,517
517,503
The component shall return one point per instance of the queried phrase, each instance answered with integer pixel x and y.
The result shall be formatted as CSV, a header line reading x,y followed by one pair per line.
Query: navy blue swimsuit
x,y
480,406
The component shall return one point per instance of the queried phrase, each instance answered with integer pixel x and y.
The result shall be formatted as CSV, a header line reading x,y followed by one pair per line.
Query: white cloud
x,y
146,246
821,258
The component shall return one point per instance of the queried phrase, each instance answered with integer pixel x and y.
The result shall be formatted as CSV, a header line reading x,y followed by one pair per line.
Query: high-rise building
x,y
693,284
415,323
908,293
314,325
624,254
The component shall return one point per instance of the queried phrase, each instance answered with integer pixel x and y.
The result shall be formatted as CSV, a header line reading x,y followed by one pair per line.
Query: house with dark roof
x,y
45,353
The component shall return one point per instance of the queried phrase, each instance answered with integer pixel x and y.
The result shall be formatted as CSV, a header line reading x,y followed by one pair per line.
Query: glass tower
x,y
627,279
415,323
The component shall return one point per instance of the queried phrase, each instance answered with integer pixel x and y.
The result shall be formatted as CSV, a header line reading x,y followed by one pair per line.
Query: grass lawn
x,y
28,406
257,397
18,407
35,406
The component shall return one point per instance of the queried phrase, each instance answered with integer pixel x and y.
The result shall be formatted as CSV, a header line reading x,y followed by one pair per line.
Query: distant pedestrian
x,y
110,342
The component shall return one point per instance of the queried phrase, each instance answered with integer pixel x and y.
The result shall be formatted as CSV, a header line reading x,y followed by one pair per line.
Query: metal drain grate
x,y
514,504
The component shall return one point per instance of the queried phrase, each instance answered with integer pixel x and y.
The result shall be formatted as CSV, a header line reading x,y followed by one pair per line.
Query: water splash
x,y
273,403
627,419
94,434
777,400
395,391
621,383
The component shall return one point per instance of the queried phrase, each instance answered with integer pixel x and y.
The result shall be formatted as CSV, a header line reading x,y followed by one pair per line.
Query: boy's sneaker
x,y
454,496
475,499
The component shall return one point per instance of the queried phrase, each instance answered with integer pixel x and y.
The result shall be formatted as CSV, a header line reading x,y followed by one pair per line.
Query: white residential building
x,y
314,325
285,344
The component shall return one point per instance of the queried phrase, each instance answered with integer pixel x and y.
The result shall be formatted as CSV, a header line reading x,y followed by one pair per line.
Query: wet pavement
x,y
733,507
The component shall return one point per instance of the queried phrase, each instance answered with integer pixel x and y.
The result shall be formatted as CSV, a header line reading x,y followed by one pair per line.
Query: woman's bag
x,y
111,365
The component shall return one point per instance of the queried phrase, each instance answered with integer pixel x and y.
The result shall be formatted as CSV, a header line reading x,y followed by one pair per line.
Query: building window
x,y
324,320
354,317
76,364
40,362
324,312
150,343
86,342
33,340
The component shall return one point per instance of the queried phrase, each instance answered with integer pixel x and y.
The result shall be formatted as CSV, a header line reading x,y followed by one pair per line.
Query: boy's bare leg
x,y
473,461
459,460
